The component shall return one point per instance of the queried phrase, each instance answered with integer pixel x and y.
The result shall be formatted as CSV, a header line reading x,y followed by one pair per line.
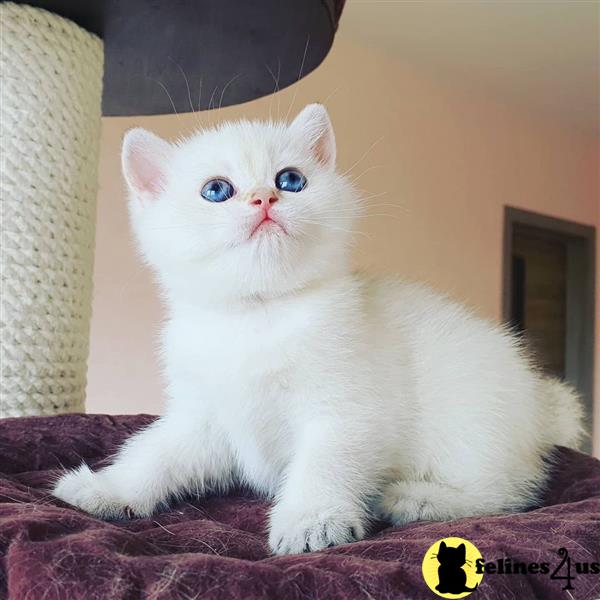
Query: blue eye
x,y
290,180
217,190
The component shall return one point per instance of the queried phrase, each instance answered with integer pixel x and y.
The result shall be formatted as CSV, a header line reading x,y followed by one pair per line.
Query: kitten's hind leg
x,y
407,501
466,484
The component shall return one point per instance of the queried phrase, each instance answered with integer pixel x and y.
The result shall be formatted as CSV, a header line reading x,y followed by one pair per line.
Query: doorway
x,y
549,295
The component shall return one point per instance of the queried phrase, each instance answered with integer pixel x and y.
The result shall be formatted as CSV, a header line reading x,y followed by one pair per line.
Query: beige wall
x,y
447,156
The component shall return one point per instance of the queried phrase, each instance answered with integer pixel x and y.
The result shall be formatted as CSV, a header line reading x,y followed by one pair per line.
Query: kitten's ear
x,y
313,126
442,546
463,550
144,159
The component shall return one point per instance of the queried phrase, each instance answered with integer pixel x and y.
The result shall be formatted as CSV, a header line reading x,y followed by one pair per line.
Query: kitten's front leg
x,y
175,454
322,502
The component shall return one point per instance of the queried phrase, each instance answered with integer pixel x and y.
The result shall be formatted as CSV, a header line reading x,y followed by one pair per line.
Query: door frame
x,y
581,292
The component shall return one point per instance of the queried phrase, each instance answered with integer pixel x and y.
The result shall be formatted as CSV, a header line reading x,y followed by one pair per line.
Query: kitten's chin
x,y
267,228
270,264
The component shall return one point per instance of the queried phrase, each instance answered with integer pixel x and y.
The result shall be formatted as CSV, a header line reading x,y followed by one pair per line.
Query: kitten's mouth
x,y
267,222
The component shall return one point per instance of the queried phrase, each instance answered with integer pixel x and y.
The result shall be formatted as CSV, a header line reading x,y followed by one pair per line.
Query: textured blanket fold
x,y
216,547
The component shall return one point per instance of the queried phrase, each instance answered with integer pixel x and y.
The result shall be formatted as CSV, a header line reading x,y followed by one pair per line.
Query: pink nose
x,y
263,197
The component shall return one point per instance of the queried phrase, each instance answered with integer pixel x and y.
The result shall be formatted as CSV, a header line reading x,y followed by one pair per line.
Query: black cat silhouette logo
x,y
449,568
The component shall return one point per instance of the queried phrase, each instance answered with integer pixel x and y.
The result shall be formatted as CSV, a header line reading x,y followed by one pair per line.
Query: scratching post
x,y
50,108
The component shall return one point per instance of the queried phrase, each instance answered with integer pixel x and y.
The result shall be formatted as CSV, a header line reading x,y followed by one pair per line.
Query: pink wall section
x,y
441,161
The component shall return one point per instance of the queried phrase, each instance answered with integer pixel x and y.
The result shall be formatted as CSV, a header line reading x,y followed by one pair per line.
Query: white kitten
x,y
338,396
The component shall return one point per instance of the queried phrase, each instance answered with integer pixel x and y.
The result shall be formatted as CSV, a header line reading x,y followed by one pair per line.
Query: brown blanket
x,y
216,547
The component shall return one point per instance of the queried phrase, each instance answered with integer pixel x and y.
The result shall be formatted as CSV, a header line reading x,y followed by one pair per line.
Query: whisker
x,y
187,83
210,102
331,94
367,200
275,88
169,96
333,227
287,114
200,93
204,225
363,215
355,179
278,80
364,155
225,88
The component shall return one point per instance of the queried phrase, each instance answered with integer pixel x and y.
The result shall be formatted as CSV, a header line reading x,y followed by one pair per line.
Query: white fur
x,y
339,396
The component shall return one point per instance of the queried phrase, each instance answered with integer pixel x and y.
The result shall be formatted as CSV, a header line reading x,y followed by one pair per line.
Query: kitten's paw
x,y
93,493
404,502
293,531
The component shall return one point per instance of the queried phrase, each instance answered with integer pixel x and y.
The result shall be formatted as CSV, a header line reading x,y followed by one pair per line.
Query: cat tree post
x,y
50,97
159,58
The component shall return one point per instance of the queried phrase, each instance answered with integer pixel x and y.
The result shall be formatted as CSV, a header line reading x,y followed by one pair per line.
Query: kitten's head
x,y
450,556
246,209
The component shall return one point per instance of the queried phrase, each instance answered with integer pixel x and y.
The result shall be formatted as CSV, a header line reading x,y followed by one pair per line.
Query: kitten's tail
x,y
562,406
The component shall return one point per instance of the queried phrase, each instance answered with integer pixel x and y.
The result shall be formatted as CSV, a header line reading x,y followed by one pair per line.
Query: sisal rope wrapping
x,y
50,96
